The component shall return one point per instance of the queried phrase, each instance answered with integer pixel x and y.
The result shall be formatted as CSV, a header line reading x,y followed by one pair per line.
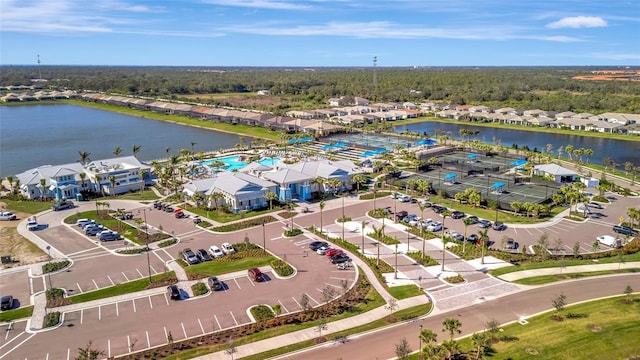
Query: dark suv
x,y
215,284
174,292
6,303
190,257
625,230
401,215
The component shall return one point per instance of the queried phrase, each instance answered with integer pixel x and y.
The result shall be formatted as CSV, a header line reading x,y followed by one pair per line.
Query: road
x,y
380,344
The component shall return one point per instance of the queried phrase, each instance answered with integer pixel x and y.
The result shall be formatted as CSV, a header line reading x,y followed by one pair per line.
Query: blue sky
x,y
320,32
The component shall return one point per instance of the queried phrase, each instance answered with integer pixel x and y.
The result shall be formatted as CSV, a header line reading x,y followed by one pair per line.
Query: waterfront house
x,y
52,182
125,172
326,169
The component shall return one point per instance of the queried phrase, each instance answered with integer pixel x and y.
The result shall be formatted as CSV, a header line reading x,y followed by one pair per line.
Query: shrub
x,y
601,199
425,260
343,219
55,298
287,214
54,266
281,267
292,232
51,319
245,224
454,279
133,251
262,312
168,242
199,289
379,194
378,213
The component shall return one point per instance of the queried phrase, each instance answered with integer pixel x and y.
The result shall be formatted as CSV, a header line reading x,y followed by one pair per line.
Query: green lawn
x,y
137,195
565,262
545,279
609,331
404,291
16,314
219,266
27,206
224,217
119,289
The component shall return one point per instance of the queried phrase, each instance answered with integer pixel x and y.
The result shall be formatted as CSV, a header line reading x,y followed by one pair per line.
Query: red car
x,y
332,252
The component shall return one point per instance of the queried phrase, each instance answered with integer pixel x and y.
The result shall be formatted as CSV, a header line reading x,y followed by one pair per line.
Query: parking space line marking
x,y
44,282
166,299
109,347
31,286
138,270
99,312
95,284
296,301
117,309
234,318
134,304
68,353
201,327
158,256
81,315
216,318
79,288
47,358
154,270
148,341
282,306
150,303
125,276
17,346
109,277
169,255
184,330
236,281
314,300
166,336
128,343
335,286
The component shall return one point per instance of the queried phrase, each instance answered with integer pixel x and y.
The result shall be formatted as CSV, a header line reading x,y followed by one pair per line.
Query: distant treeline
x,y
549,89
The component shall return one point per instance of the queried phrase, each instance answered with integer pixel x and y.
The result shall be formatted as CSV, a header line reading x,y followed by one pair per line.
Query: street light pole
x,y
395,275
343,219
497,207
146,231
420,339
264,239
49,255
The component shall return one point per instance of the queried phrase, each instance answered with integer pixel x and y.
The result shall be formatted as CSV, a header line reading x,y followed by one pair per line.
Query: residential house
x,y
52,182
117,175
240,191
290,184
326,169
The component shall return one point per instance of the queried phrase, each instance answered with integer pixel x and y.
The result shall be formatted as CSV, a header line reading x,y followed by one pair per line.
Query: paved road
x,y
381,344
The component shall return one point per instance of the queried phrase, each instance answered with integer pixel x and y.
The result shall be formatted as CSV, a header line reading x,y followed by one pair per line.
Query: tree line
x,y
549,89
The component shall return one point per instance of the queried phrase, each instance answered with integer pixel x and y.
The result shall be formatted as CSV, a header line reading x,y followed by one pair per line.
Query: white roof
x,y
554,169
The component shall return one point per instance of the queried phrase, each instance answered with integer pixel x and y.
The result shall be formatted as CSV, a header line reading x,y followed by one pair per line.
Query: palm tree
x,y
112,181
84,157
270,195
17,183
423,186
359,179
43,184
142,173
135,149
322,204
334,183
117,151
484,235
466,223
588,152
422,207
83,177
10,181
444,240
214,197
319,181
363,225
452,325
569,150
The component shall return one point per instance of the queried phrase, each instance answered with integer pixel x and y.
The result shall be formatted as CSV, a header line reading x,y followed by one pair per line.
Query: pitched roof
x,y
287,176
554,169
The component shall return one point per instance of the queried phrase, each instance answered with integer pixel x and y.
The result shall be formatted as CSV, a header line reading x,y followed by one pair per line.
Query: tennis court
x,y
373,141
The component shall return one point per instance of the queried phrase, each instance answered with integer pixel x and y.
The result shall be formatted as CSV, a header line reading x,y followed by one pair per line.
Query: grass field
x,y
219,267
16,314
404,291
608,330
27,206
120,289
546,279
565,263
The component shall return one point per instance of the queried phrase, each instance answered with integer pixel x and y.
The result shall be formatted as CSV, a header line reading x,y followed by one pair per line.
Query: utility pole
x,y
146,231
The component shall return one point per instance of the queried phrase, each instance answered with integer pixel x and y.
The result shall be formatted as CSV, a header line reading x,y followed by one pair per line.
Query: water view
x,y
618,150
37,135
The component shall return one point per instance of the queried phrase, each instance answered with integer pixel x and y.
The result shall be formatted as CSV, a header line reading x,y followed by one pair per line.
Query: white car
x,y
323,250
32,225
215,251
82,222
434,226
5,215
415,221
426,222
609,241
228,248
405,198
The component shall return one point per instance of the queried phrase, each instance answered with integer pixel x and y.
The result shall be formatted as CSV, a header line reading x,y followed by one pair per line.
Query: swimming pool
x,y
233,162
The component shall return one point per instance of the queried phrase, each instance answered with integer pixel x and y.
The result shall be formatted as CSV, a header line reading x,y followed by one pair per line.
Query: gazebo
x,y
498,188
450,178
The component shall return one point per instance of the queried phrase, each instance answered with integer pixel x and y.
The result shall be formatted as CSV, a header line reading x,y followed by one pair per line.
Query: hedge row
x,y
245,224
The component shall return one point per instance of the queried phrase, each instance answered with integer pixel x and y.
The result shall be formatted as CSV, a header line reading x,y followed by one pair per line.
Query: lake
x,y
36,135
619,151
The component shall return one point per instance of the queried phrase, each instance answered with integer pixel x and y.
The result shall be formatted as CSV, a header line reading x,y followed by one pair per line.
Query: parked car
x,y
401,214
497,226
197,220
82,222
256,275
215,251
409,217
333,252
609,241
456,236
473,219
179,214
434,226
425,202
62,205
415,222
203,255
189,256
108,235
228,248
404,198
624,230
414,201
438,209
482,223
314,246
457,214
215,284
32,225
595,205
174,292
473,238
323,250
511,244
341,258
90,224
94,230
6,216
127,215
426,222
6,303
157,204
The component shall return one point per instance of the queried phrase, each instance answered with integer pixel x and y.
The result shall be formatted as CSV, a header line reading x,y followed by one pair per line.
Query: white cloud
x,y
577,22
261,4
